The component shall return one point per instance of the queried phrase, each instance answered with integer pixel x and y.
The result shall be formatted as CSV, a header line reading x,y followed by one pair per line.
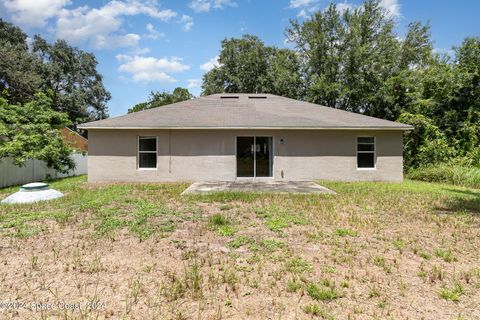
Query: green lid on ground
x,y
34,186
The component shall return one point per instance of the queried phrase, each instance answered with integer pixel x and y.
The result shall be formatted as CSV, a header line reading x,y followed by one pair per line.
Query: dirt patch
x,y
374,254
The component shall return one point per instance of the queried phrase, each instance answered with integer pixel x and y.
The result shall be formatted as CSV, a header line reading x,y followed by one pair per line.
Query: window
x,y
147,152
365,152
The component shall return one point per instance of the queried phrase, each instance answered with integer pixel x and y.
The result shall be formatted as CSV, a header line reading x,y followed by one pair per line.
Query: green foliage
x,y
248,66
31,131
315,310
452,294
298,265
158,99
18,67
355,61
451,174
321,292
70,73
424,144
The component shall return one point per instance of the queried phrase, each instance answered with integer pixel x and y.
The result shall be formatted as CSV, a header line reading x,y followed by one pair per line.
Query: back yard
x,y
142,251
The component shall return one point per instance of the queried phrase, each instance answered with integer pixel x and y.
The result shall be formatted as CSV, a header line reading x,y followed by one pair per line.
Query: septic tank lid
x,y
34,186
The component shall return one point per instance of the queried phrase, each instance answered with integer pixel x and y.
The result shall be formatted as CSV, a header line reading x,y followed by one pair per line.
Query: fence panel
x,y
36,170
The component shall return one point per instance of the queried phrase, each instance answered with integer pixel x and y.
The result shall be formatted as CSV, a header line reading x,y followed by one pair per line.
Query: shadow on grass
x,y
466,201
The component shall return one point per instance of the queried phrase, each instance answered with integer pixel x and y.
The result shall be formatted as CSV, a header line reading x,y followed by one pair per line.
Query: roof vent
x,y
257,97
229,97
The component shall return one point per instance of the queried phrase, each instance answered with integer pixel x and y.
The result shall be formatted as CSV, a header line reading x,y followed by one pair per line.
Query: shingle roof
x,y
243,111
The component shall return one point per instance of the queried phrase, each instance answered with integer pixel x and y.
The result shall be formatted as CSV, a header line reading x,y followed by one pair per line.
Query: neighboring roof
x,y
244,111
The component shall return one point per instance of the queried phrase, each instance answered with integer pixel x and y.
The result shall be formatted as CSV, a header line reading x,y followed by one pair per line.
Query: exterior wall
x,y
199,155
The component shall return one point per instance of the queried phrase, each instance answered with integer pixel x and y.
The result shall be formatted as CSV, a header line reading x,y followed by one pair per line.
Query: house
x,y
238,136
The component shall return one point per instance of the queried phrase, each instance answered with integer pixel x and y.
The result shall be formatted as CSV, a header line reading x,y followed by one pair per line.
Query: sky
x,y
150,45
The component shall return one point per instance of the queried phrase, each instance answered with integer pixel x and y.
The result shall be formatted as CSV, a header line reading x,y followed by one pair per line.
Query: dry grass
x,y
142,251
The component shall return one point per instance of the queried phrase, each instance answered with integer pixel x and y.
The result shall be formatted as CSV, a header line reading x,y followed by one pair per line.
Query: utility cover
x,y
33,192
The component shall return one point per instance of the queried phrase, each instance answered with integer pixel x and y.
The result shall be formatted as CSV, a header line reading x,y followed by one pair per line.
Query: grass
x,y
452,294
322,292
455,175
373,251
316,310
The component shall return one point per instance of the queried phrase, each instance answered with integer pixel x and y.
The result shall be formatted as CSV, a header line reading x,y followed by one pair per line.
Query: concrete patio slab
x,y
258,186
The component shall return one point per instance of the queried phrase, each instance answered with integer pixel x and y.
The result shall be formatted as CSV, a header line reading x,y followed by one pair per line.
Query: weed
x,y
298,265
293,285
374,292
345,233
271,245
321,293
424,255
452,294
240,242
446,255
315,310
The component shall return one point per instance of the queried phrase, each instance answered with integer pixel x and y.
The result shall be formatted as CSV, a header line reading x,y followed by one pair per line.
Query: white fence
x,y
36,170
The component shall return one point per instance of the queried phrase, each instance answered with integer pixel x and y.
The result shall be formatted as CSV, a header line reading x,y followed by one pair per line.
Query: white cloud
x,y
153,33
102,27
210,64
302,14
344,6
99,27
114,41
301,3
139,51
187,22
206,5
194,83
150,69
392,7
34,13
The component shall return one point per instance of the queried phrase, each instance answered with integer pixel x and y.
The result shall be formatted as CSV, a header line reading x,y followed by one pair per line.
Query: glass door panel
x,y
245,157
263,156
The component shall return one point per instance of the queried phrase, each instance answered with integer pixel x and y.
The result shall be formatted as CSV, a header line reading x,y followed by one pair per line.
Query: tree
x,y
425,144
158,99
248,66
68,72
31,131
354,60
72,76
19,79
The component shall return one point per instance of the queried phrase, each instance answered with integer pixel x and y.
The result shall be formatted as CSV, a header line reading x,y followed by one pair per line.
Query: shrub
x,y
456,175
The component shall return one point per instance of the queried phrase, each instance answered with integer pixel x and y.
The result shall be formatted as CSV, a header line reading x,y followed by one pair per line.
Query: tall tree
x,y
158,99
248,66
68,72
71,74
19,79
355,61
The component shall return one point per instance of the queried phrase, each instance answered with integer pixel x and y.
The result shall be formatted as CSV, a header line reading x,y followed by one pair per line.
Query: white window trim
x,y
138,153
374,153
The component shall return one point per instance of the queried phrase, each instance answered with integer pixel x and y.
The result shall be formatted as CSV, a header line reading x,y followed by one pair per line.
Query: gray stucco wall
x,y
196,155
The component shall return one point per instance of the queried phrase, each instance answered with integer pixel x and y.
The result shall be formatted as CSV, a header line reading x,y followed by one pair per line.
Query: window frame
x,y
374,152
139,152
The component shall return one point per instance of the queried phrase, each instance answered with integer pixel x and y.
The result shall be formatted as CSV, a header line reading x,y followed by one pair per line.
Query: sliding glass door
x,y
254,157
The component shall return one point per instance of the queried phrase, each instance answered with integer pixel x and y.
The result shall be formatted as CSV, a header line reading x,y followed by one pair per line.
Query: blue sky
x,y
158,45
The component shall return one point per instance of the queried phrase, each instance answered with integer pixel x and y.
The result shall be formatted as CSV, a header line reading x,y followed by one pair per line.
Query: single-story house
x,y
244,136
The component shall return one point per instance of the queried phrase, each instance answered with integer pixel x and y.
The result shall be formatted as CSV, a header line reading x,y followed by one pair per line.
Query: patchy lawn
x,y
142,251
